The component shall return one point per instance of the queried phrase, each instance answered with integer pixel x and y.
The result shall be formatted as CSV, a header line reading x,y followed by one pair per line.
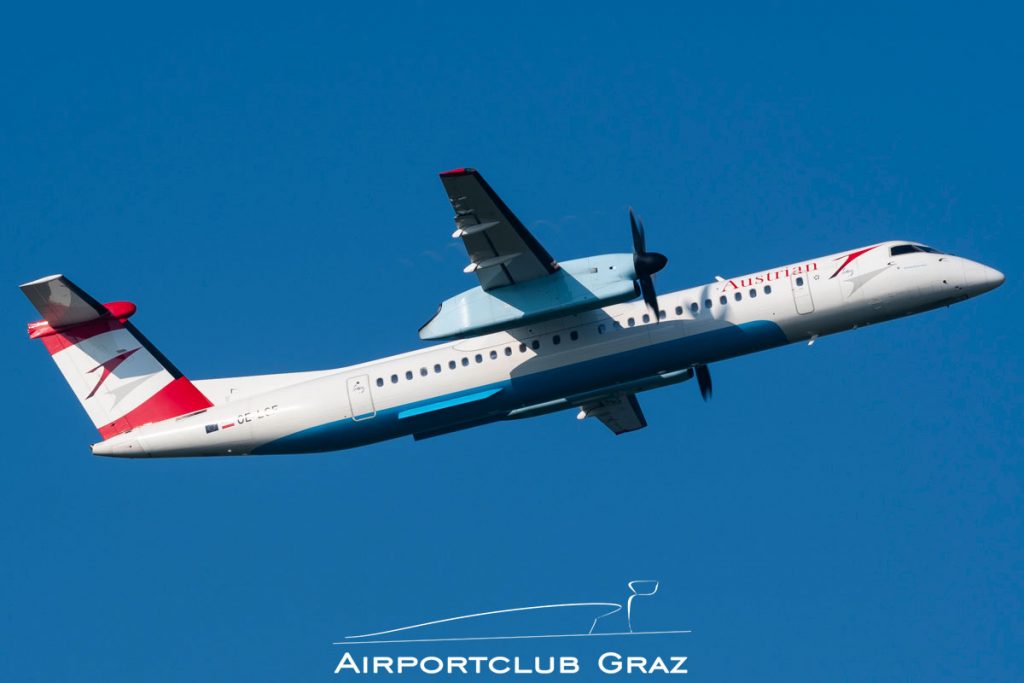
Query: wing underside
x,y
501,250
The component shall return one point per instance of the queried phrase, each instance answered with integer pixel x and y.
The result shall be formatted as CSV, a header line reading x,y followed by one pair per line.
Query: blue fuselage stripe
x,y
446,402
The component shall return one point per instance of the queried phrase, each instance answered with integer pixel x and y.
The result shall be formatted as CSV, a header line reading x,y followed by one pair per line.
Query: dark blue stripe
x,y
526,388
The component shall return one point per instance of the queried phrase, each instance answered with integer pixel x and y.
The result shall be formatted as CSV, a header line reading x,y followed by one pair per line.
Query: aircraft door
x,y
359,397
801,284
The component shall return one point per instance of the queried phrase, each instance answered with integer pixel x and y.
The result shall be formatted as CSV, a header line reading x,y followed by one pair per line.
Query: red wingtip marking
x,y
457,171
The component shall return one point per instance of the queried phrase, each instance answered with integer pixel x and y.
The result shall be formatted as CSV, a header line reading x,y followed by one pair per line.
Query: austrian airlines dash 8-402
x,y
535,336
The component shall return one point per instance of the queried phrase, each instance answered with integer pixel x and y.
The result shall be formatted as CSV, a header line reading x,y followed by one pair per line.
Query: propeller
x,y
645,264
704,381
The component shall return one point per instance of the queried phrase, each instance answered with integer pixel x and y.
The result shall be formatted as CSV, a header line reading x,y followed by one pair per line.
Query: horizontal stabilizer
x,y
61,302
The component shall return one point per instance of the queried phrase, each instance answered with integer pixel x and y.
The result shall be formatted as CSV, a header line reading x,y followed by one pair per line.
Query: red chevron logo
x,y
849,259
108,367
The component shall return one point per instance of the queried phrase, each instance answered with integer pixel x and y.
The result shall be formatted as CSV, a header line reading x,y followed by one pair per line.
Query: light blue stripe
x,y
441,405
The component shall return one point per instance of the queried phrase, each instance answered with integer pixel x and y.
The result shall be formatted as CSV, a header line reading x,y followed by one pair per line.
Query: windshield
x,y
911,248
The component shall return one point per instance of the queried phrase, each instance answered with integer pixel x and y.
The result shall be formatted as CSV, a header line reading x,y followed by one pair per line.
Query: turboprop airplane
x,y
534,337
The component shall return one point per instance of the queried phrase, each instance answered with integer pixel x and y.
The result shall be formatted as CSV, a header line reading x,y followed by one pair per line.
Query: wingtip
x,y
458,171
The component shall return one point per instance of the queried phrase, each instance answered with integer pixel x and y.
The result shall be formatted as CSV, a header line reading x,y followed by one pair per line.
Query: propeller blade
x,y
704,381
639,239
650,296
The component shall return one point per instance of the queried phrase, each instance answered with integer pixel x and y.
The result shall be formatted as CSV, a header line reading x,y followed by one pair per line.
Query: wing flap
x,y
620,413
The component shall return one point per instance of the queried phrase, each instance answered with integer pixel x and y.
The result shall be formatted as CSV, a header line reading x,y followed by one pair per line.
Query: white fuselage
x,y
561,363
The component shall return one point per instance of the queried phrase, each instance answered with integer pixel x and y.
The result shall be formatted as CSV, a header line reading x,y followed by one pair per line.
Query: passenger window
x,y
465,361
522,348
738,296
646,318
478,358
753,294
707,303
767,289
423,372
451,365
723,299
394,379
574,335
799,282
556,340
631,322
408,374
694,307
535,344
600,328
437,369
380,381
679,310
662,315
508,350
494,354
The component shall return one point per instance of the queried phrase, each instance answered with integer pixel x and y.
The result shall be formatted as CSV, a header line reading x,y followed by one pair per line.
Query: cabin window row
x,y
723,300
477,358
574,335
693,306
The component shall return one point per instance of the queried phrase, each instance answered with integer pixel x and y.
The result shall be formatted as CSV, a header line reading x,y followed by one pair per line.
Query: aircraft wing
x,y
620,413
501,250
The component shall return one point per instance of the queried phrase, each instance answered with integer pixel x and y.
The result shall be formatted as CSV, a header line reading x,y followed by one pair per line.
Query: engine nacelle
x,y
578,285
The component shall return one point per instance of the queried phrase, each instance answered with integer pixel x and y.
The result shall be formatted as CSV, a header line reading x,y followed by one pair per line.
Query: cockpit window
x,y
900,249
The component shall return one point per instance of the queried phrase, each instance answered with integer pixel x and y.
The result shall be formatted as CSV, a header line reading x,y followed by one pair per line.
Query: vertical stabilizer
x,y
118,376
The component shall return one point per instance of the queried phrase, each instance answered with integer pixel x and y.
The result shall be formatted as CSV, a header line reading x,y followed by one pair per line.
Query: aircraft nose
x,y
979,278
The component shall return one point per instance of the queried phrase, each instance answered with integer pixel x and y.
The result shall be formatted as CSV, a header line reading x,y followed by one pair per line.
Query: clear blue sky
x,y
262,182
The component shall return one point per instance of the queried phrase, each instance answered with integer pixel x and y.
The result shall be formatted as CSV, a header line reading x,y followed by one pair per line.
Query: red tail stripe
x,y
117,313
180,397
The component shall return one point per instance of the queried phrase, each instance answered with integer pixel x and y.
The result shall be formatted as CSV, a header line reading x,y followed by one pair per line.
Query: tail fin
x,y
119,377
